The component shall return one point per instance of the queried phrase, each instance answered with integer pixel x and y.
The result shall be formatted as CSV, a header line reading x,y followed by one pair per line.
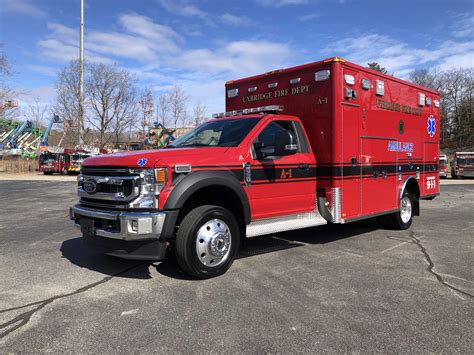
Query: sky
x,y
199,45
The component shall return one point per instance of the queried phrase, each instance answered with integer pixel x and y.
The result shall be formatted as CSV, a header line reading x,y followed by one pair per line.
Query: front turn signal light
x,y
161,178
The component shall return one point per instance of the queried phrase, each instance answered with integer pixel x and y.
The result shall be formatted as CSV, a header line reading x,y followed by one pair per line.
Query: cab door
x,y
283,185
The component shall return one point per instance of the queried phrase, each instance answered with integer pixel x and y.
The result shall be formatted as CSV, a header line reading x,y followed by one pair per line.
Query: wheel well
x,y
412,186
217,195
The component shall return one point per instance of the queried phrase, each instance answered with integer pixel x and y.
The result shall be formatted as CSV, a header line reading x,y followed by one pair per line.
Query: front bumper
x,y
130,235
443,173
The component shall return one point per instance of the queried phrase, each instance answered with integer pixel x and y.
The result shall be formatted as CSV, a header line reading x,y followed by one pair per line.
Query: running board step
x,y
283,224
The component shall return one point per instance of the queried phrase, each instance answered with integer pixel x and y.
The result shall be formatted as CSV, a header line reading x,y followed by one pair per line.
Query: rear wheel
x,y
47,172
207,241
403,218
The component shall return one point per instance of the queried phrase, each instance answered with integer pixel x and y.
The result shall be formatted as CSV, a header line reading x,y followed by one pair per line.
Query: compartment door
x,y
379,190
430,168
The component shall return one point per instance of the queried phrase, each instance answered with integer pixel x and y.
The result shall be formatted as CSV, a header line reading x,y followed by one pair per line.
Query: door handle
x,y
303,166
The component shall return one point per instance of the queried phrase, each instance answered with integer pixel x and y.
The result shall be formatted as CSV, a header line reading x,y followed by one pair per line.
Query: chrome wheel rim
x,y
405,209
213,243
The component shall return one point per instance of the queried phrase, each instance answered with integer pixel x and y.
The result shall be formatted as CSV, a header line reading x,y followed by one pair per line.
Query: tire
x,y
402,219
207,241
47,173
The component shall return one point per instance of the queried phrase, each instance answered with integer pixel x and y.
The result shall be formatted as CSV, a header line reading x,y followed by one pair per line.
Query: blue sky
x,y
201,44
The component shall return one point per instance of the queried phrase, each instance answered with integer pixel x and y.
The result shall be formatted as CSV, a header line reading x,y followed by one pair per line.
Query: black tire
x,y
186,243
395,220
47,173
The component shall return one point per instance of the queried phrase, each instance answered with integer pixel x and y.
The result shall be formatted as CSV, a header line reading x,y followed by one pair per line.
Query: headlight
x,y
152,181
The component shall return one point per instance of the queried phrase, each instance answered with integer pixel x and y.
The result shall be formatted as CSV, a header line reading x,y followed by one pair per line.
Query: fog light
x,y
141,225
135,225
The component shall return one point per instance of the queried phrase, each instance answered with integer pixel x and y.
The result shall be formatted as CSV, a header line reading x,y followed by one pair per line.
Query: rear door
x,y
282,185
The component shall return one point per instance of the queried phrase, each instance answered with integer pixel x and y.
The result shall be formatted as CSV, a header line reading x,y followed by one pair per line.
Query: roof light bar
x,y
247,111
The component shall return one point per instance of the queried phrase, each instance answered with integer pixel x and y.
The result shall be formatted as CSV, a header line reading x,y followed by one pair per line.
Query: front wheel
x,y
207,241
403,218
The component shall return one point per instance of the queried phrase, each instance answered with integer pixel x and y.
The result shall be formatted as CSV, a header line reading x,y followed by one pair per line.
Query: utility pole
x,y
81,76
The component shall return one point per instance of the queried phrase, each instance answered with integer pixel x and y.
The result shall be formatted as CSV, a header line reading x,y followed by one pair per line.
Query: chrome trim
x,y
87,212
336,205
110,180
284,223
154,222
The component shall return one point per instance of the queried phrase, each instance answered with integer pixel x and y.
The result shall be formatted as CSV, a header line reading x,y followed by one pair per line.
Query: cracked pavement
x,y
350,288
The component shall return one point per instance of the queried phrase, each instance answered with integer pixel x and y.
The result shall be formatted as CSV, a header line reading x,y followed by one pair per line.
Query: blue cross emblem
x,y
142,162
431,126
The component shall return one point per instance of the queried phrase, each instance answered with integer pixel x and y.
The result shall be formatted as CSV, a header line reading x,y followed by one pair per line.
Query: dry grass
x,y
14,166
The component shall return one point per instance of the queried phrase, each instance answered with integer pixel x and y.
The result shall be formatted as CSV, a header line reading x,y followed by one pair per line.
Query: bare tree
x,y
199,114
112,96
163,109
456,88
457,91
146,105
426,78
177,99
37,112
8,107
67,101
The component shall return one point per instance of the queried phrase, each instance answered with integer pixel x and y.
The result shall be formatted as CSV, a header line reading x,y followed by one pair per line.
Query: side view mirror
x,y
285,143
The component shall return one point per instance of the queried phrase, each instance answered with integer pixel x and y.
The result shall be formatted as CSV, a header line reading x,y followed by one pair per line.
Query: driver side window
x,y
265,142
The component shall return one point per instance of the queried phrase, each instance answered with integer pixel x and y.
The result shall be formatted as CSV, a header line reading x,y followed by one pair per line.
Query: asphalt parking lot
x,y
350,288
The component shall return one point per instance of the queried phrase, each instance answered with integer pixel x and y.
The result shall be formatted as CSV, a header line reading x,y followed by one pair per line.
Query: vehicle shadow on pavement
x,y
278,242
85,257
296,238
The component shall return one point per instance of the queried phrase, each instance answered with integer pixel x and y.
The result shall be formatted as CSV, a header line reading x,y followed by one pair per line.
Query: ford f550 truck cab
x,y
326,142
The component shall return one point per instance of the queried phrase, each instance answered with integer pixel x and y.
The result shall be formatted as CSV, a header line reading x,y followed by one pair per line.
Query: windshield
x,y
48,158
462,161
77,157
221,133
443,162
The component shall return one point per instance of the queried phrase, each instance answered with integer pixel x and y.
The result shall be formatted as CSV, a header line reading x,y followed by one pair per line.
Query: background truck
x,y
54,160
76,159
462,165
443,166
325,142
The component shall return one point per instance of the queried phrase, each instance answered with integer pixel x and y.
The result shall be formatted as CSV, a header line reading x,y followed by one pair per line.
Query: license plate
x,y
87,227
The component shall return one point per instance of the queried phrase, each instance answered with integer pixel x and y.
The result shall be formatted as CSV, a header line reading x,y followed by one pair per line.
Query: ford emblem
x,y
90,186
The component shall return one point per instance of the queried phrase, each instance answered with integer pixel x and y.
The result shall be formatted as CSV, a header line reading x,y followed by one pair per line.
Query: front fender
x,y
197,180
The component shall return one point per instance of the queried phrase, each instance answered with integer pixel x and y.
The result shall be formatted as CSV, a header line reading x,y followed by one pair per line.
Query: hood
x,y
160,157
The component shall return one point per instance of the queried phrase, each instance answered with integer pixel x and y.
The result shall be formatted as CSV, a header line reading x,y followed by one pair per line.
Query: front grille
x,y
105,171
115,187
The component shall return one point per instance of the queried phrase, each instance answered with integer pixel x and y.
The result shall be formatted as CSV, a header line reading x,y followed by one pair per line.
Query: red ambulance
x,y
325,142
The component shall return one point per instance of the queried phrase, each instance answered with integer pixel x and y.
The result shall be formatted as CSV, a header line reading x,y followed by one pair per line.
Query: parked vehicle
x,y
462,165
325,142
443,166
76,160
54,160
